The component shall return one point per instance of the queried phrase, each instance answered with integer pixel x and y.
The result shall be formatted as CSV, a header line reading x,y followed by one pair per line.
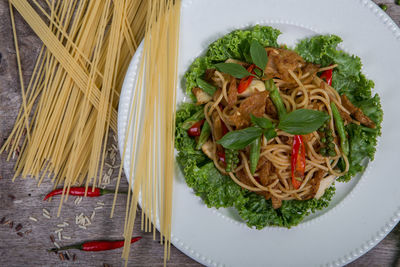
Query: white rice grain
x,y
46,216
92,216
33,219
98,208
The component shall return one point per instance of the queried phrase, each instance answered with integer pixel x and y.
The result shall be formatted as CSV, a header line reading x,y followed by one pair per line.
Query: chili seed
x,y
61,255
20,234
3,220
52,238
18,227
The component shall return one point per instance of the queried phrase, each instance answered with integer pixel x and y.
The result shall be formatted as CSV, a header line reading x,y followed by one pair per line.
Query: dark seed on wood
x,y
12,197
27,232
52,238
66,256
74,257
3,220
20,234
61,255
18,227
11,224
106,265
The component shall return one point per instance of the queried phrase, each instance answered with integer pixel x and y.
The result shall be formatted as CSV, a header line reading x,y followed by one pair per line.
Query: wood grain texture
x,y
23,198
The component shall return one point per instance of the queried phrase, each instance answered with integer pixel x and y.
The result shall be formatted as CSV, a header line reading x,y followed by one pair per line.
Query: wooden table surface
x,y
23,198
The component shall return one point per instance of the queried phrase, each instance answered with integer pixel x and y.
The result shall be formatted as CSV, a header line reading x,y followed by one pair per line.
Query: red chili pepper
x,y
224,128
99,245
80,191
327,76
195,130
221,156
246,81
298,160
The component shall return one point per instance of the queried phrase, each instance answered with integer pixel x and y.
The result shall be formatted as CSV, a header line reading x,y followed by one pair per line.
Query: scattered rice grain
x,y
56,245
92,216
19,201
98,208
115,138
110,171
66,237
108,165
114,146
46,216
33,219
100,203
46,211
59,236
58,230
83,227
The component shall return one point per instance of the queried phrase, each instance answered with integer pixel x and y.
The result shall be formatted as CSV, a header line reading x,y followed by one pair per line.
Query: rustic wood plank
x,y
22,199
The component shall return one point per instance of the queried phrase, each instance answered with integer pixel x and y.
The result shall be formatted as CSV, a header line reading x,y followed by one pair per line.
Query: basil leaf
x,y
208,88
302,121
261,122
258,72
244,49
258,54
241,138
236,70
269,133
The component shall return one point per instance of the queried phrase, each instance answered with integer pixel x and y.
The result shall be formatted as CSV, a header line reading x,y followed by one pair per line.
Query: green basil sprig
x,y
261,122
302,121
236,70
206,87
241,138
258,54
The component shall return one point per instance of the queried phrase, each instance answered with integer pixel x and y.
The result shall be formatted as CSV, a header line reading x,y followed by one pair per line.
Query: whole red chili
x,y
98,245
195,130
80,191
327,76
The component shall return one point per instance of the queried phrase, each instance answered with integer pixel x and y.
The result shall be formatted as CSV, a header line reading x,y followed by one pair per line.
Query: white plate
x,y
364,210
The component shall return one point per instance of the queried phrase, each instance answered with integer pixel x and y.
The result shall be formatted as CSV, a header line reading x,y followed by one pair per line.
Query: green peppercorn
x,y
332,153
383,7
331,145
397,2
329,138
328,133
323,139
322,151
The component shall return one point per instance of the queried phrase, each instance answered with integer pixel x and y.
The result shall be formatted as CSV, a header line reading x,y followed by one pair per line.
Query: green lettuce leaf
x,y
233,45
348,79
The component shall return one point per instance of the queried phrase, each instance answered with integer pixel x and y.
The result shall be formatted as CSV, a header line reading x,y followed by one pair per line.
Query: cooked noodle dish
x,y
271,128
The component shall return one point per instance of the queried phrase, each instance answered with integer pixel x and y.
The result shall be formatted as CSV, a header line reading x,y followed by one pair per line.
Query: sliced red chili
x,y
246,81
221,156
327,76
298,161
195,130
98,245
